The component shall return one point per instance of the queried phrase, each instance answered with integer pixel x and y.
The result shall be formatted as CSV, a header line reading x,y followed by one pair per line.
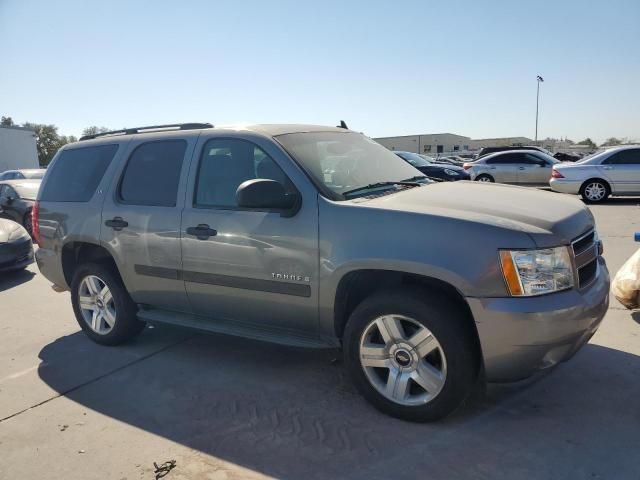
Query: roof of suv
x,y
270,130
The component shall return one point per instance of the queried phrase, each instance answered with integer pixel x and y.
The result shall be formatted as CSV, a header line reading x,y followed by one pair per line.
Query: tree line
x,y
48,140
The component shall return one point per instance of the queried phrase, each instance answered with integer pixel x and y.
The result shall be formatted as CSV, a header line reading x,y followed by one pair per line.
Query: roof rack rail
x,y
131,131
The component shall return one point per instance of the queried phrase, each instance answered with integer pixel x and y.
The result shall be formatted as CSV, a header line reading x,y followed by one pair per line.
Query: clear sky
x,y
386,67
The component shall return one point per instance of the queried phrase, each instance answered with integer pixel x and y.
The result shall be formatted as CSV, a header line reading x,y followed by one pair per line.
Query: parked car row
x,y
433,169
613,171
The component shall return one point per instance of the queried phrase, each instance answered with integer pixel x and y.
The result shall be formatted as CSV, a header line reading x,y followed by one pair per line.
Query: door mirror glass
x,y
263,193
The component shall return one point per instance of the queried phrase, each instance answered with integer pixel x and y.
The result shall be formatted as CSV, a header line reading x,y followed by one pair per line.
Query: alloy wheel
x,y
484,178
403,360
595,191
96,304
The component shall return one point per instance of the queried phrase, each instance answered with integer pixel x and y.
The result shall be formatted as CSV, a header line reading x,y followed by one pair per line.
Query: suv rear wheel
x,y
411,355
102,306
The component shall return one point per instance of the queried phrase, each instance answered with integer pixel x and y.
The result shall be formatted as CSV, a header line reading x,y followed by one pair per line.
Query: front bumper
x,y
15,255
562,185
520,336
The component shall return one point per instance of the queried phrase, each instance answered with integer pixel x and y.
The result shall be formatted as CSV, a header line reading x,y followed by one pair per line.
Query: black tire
x,y
485,178
593,182
127,324
447,323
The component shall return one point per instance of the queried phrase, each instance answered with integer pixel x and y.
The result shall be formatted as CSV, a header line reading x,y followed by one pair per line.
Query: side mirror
x,y
9,200
265,194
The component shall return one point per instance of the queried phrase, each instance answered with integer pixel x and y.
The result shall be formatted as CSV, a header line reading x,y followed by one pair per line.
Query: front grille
x,y
585,253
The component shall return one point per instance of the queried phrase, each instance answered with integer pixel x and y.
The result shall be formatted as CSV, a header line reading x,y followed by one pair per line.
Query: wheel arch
x,y
596,179
76,253
357,285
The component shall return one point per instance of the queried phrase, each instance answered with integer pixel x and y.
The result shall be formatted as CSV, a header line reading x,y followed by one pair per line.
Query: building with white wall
x,y
432,144
17,148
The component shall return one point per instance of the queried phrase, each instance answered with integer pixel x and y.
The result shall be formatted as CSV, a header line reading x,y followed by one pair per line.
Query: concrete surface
x,y
227,408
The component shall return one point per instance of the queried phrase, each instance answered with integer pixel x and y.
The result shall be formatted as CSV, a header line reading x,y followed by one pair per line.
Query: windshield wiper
x,y
382,184
417,177
423,177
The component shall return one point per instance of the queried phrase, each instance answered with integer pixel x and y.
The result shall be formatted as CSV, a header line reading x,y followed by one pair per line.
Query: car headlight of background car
x,y
451,173
535,272
18,234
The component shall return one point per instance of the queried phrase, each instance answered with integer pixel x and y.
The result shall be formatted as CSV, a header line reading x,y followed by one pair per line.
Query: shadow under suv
x,y
320,237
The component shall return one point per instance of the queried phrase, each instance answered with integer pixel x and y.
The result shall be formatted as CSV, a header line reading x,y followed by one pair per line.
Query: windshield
x,y
339,162
595,154
33,174
414,159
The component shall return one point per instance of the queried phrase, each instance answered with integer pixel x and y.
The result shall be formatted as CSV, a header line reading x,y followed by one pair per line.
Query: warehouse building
x,y
433,144
17,148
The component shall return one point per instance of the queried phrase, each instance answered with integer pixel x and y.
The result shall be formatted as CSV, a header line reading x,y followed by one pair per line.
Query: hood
x,y
6,227
550,219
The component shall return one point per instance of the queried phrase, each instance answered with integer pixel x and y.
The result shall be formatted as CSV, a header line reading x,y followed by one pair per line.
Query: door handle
x,y
520,168
117,223
202,231
608,168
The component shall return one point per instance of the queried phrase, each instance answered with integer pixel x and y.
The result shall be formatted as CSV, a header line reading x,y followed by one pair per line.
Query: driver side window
x,y
225,163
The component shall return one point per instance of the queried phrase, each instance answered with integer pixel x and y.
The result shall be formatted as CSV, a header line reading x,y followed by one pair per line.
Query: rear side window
x,y
152,174
76,174
624,157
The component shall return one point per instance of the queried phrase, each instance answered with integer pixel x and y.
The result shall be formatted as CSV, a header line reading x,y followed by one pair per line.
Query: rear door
x,y
252,266
622,169
141,219
504,168
533,170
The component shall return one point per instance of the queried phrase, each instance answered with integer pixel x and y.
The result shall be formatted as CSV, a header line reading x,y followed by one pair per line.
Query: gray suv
x,y
319,237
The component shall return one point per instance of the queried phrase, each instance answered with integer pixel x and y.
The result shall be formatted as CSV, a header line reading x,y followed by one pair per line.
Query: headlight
x,y
451,173
18,234
534,272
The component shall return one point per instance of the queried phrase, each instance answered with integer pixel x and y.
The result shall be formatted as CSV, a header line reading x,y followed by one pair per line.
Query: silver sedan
x,y
520,167
614,171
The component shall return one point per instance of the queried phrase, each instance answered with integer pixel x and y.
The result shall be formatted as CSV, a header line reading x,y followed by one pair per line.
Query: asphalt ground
x,y
226,408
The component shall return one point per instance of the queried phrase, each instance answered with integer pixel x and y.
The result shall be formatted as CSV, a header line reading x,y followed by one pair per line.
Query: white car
x,y
614,171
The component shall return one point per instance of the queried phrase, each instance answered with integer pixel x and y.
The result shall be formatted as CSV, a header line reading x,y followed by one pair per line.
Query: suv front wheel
x,y
102,306
411,355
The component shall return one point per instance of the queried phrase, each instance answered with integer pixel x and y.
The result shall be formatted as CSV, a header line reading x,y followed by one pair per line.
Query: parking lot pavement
x,y
225,407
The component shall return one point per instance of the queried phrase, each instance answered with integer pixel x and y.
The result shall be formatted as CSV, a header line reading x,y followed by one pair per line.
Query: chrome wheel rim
x,y
96,304
484,179
403,360
595,191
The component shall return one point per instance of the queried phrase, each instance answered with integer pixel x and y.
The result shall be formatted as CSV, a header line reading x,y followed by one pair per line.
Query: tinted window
x,y
508,158
76,173
225,164
625,157
152,174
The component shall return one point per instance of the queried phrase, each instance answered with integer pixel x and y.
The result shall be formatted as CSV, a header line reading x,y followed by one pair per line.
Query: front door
x,y
141,220
622,169
247,265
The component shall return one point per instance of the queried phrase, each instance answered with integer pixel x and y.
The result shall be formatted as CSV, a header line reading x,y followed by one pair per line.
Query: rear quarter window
x,y
76,173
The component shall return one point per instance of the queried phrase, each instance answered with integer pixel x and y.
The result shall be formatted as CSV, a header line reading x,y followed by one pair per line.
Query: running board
x,y
256,332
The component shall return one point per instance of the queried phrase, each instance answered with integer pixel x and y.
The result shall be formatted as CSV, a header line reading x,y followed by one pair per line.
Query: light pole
x,y
539,79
